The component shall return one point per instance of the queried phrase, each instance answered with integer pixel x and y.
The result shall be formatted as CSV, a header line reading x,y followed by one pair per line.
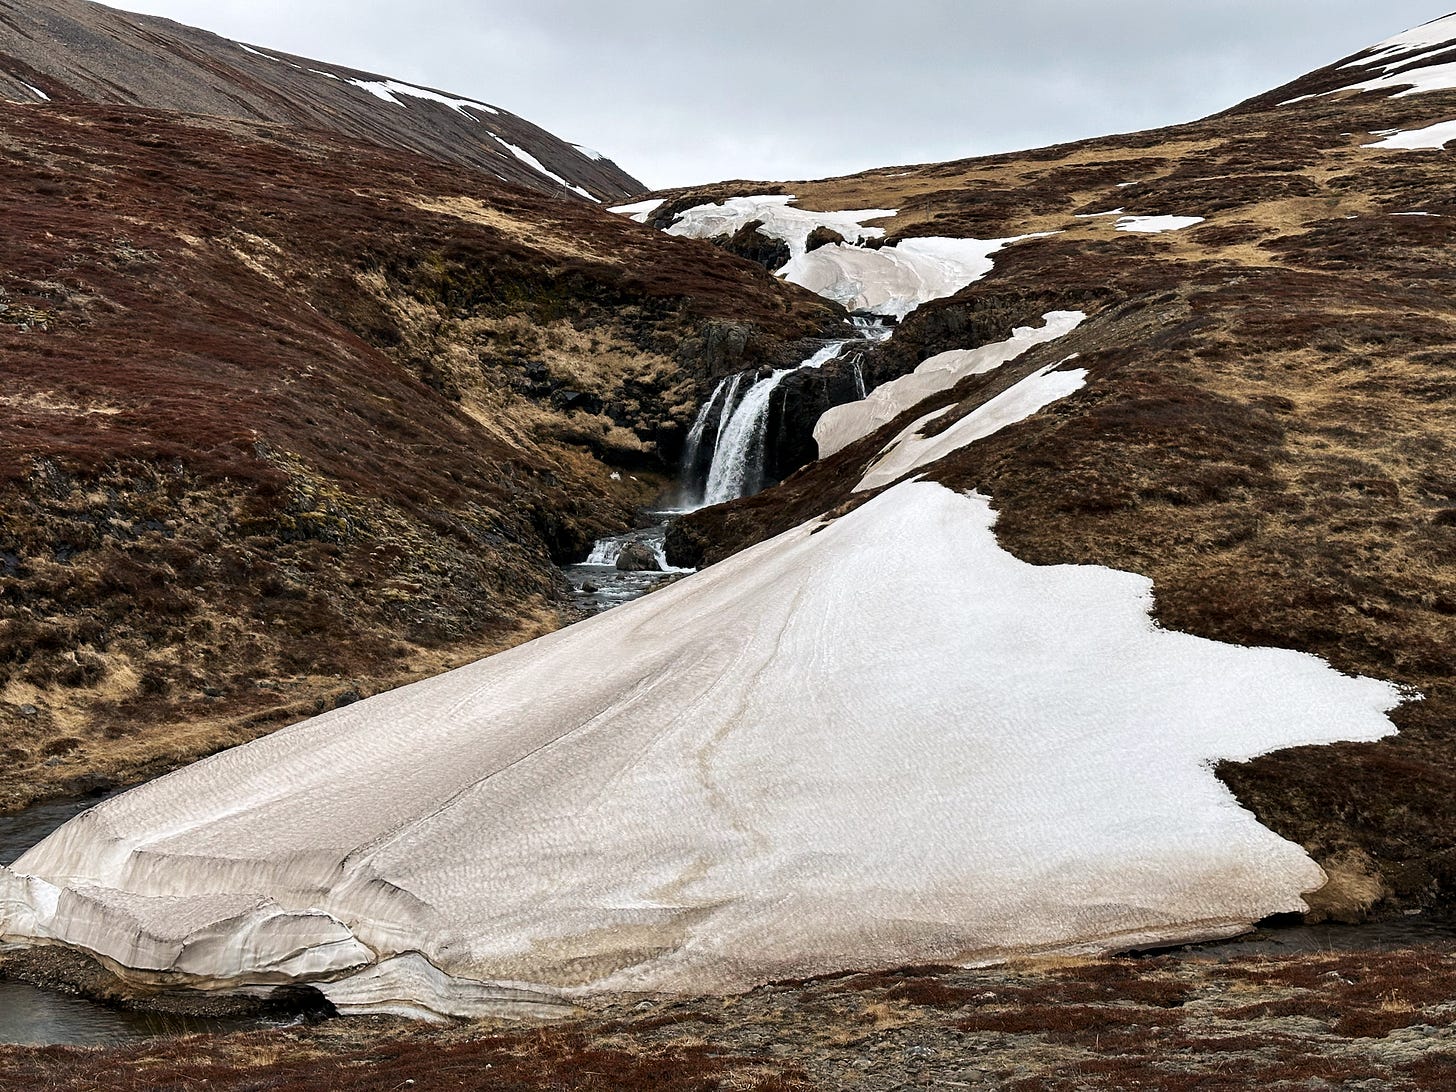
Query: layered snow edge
x,y
877,741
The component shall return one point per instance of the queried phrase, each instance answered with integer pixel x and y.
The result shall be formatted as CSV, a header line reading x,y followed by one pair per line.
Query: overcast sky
x,y
684,91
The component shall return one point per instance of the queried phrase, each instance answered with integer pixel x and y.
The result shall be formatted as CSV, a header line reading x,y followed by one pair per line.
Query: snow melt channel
x,y
888,742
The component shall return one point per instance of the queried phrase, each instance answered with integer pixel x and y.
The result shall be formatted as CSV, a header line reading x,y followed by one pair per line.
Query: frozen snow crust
x,y
890,281
879,742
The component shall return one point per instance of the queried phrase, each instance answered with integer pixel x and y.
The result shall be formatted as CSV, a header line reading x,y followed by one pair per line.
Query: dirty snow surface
x,y
841,426
895,280
886,743
779,219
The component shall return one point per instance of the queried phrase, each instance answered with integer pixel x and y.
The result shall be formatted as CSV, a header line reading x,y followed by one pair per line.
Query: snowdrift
x,y
876,742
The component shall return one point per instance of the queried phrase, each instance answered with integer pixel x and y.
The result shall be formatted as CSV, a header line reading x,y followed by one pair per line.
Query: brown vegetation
x,y
1266,429
286,420
1198,1020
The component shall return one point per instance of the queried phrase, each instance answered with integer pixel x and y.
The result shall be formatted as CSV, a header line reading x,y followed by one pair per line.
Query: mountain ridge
x,y
78,51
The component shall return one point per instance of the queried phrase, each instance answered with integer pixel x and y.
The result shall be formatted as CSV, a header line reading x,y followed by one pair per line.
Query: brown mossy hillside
x,y
1267,429
285,420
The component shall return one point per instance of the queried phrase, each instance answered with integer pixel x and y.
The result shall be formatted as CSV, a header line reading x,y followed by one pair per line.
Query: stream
x,y
723,460
32,1016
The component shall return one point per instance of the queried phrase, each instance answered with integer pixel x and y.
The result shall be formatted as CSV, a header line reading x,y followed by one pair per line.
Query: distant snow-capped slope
x,y
75,51
1419,61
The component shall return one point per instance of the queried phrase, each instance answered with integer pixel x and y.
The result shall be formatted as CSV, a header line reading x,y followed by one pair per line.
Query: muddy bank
x,y
1347,1019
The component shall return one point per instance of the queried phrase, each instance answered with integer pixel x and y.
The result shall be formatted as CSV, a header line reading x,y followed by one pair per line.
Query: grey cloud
x,y
692,91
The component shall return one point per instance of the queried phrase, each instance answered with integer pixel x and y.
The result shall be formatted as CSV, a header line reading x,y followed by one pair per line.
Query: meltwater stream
x,y
736,418
30,1016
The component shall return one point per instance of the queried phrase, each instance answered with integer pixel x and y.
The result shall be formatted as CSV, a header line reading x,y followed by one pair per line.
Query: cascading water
x,y
716,410
733,422
737,469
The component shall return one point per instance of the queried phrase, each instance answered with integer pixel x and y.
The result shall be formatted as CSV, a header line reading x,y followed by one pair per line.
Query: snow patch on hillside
x,y
911,450
780,220
1156,225
841,426
641,211
1432,137
388,90
1436,35
872,742
540,168
894,281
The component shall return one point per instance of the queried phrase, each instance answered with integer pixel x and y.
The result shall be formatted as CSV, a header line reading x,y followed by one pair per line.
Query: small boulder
x,y
590,587
638,558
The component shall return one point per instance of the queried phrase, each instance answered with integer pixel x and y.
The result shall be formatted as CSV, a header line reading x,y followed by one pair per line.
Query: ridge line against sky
x,y
685,91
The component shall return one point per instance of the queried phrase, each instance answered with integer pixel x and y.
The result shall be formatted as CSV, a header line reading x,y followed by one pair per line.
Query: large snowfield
x,y
884,743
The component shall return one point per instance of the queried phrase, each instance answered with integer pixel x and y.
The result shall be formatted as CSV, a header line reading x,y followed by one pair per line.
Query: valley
x,y
869,613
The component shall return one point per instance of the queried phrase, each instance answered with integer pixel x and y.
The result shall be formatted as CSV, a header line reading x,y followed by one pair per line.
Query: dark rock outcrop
x,y
637,557
822,236
751,243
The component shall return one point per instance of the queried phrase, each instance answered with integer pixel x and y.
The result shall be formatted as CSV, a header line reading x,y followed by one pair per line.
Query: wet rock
x,y
751,243
686,545
798,403
638,558
590,587
306,1003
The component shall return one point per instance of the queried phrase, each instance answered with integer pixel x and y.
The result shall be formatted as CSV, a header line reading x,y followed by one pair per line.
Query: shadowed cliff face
x,y
73,51
1266,429
285,420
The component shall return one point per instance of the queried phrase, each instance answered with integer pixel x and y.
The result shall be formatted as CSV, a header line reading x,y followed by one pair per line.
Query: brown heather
x,y
1267,431
287,420
1188,1022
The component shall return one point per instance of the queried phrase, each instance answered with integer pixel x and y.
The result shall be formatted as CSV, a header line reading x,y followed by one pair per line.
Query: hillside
x,y
73,51
1115,612
1265,428
286,419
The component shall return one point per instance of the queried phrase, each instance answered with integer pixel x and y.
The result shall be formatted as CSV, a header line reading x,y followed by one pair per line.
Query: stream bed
x,y
597,584
32,1016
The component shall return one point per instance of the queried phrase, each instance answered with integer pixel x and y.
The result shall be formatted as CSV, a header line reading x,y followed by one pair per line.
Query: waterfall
x,y
737,469
716,410
693,444
604,552
872,327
